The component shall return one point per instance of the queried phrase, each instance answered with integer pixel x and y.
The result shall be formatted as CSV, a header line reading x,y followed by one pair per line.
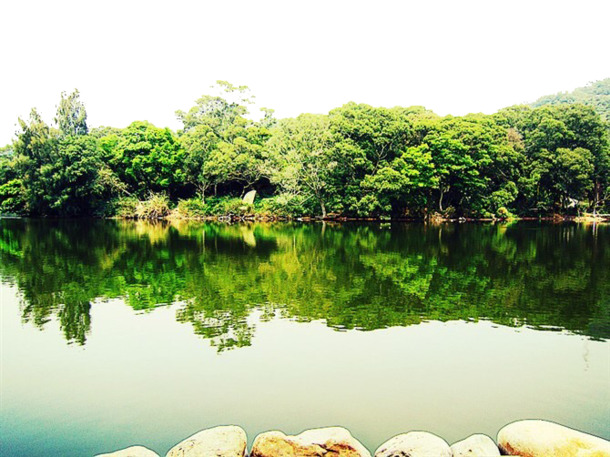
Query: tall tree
x,y
71,115
303,165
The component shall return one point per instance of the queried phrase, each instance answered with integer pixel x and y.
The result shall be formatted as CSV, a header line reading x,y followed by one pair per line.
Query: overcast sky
x,y
143,60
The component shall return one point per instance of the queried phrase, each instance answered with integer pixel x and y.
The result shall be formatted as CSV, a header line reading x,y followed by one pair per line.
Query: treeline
x,y
595,94
358,161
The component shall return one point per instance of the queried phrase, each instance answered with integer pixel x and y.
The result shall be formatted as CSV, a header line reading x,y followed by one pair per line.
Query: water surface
x,y
115,333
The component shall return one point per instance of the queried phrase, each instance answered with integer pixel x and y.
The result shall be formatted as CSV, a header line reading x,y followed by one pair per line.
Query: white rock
x,y
414,444
249,197
335,441
538,438
133,451
475,446
224,441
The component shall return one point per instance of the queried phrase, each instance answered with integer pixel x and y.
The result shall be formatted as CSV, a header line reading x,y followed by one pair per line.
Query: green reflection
x,y
356,276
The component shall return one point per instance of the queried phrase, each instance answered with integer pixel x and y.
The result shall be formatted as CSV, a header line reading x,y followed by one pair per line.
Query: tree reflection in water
x,y
353,276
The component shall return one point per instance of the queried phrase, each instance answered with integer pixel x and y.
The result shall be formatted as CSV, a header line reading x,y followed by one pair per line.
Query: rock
x,y
249,197
475,445
224,441
533,438
414,444
335,441
133,451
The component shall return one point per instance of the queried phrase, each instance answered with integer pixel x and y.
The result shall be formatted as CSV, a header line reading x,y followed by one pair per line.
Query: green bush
x,y
155,207
11,197
284,205
236,207
504,213
192,207
126,207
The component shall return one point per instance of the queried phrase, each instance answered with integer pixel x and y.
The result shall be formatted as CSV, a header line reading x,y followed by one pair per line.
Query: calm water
x,y
116,333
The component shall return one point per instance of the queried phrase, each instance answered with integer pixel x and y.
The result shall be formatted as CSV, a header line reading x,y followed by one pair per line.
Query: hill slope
x,y
596,94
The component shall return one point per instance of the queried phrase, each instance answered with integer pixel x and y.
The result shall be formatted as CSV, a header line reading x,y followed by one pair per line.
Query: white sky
x,y
142,60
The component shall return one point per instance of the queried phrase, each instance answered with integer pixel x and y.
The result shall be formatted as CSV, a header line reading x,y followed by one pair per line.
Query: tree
x,y
71,115
547,133
222,145
146,158
367,140
301,154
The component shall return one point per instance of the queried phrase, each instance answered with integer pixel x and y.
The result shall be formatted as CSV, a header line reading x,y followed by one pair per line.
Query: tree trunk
x,y
596,197
440,200
323,207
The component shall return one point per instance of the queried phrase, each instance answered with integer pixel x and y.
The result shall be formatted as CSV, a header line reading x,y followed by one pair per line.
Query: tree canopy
x,y
357,160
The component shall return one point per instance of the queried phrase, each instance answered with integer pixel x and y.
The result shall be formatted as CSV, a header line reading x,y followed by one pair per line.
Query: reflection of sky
x,y
145,378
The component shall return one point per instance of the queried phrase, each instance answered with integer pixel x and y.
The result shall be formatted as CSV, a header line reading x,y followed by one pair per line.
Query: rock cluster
x,y
528,438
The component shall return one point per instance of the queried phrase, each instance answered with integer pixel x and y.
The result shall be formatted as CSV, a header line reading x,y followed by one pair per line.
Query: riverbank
x,y
527,438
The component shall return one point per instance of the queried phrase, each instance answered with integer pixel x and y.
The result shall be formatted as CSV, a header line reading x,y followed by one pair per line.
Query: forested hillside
x,y
595,94
358,160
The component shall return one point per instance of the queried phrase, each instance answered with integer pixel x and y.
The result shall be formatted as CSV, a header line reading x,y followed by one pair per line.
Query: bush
x,y
155,207
126,207
192,207
504,213
284,205
236,207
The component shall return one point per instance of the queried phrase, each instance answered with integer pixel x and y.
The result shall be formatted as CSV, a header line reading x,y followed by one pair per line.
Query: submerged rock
x,y
475,446
224,441
534,438
331,441
414,444
133,451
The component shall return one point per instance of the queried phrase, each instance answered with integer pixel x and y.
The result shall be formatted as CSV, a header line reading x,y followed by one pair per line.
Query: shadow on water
x,y
352,276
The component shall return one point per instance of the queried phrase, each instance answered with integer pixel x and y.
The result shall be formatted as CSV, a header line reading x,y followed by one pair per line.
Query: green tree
x,y
71,115
222,145
146,158
302,160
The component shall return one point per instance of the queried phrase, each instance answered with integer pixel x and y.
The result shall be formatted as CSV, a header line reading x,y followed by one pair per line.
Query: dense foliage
x,y
358,161
595,94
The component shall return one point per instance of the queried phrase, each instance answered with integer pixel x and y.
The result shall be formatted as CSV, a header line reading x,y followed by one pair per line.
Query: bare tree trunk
x,y
323,207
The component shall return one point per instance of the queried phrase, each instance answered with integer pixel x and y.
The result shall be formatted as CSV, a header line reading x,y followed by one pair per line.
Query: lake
x,y
119,332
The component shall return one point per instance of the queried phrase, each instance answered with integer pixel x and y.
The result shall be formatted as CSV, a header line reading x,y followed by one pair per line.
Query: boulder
x,y
224,441
133,451
533,438
335,441
249,197
475,446
414,444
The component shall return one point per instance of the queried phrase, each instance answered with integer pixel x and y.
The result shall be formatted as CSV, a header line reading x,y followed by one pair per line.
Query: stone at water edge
x,y
249,197
335,441
133,451
475,445
538,438
223,441
414,444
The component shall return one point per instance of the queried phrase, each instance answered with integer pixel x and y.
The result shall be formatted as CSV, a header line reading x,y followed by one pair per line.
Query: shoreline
x,y
339,219
527,438
266,218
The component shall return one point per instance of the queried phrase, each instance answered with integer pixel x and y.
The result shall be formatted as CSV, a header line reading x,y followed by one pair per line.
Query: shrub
x,y
504,213
236,207
192,207
155,207
126,207
283,205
